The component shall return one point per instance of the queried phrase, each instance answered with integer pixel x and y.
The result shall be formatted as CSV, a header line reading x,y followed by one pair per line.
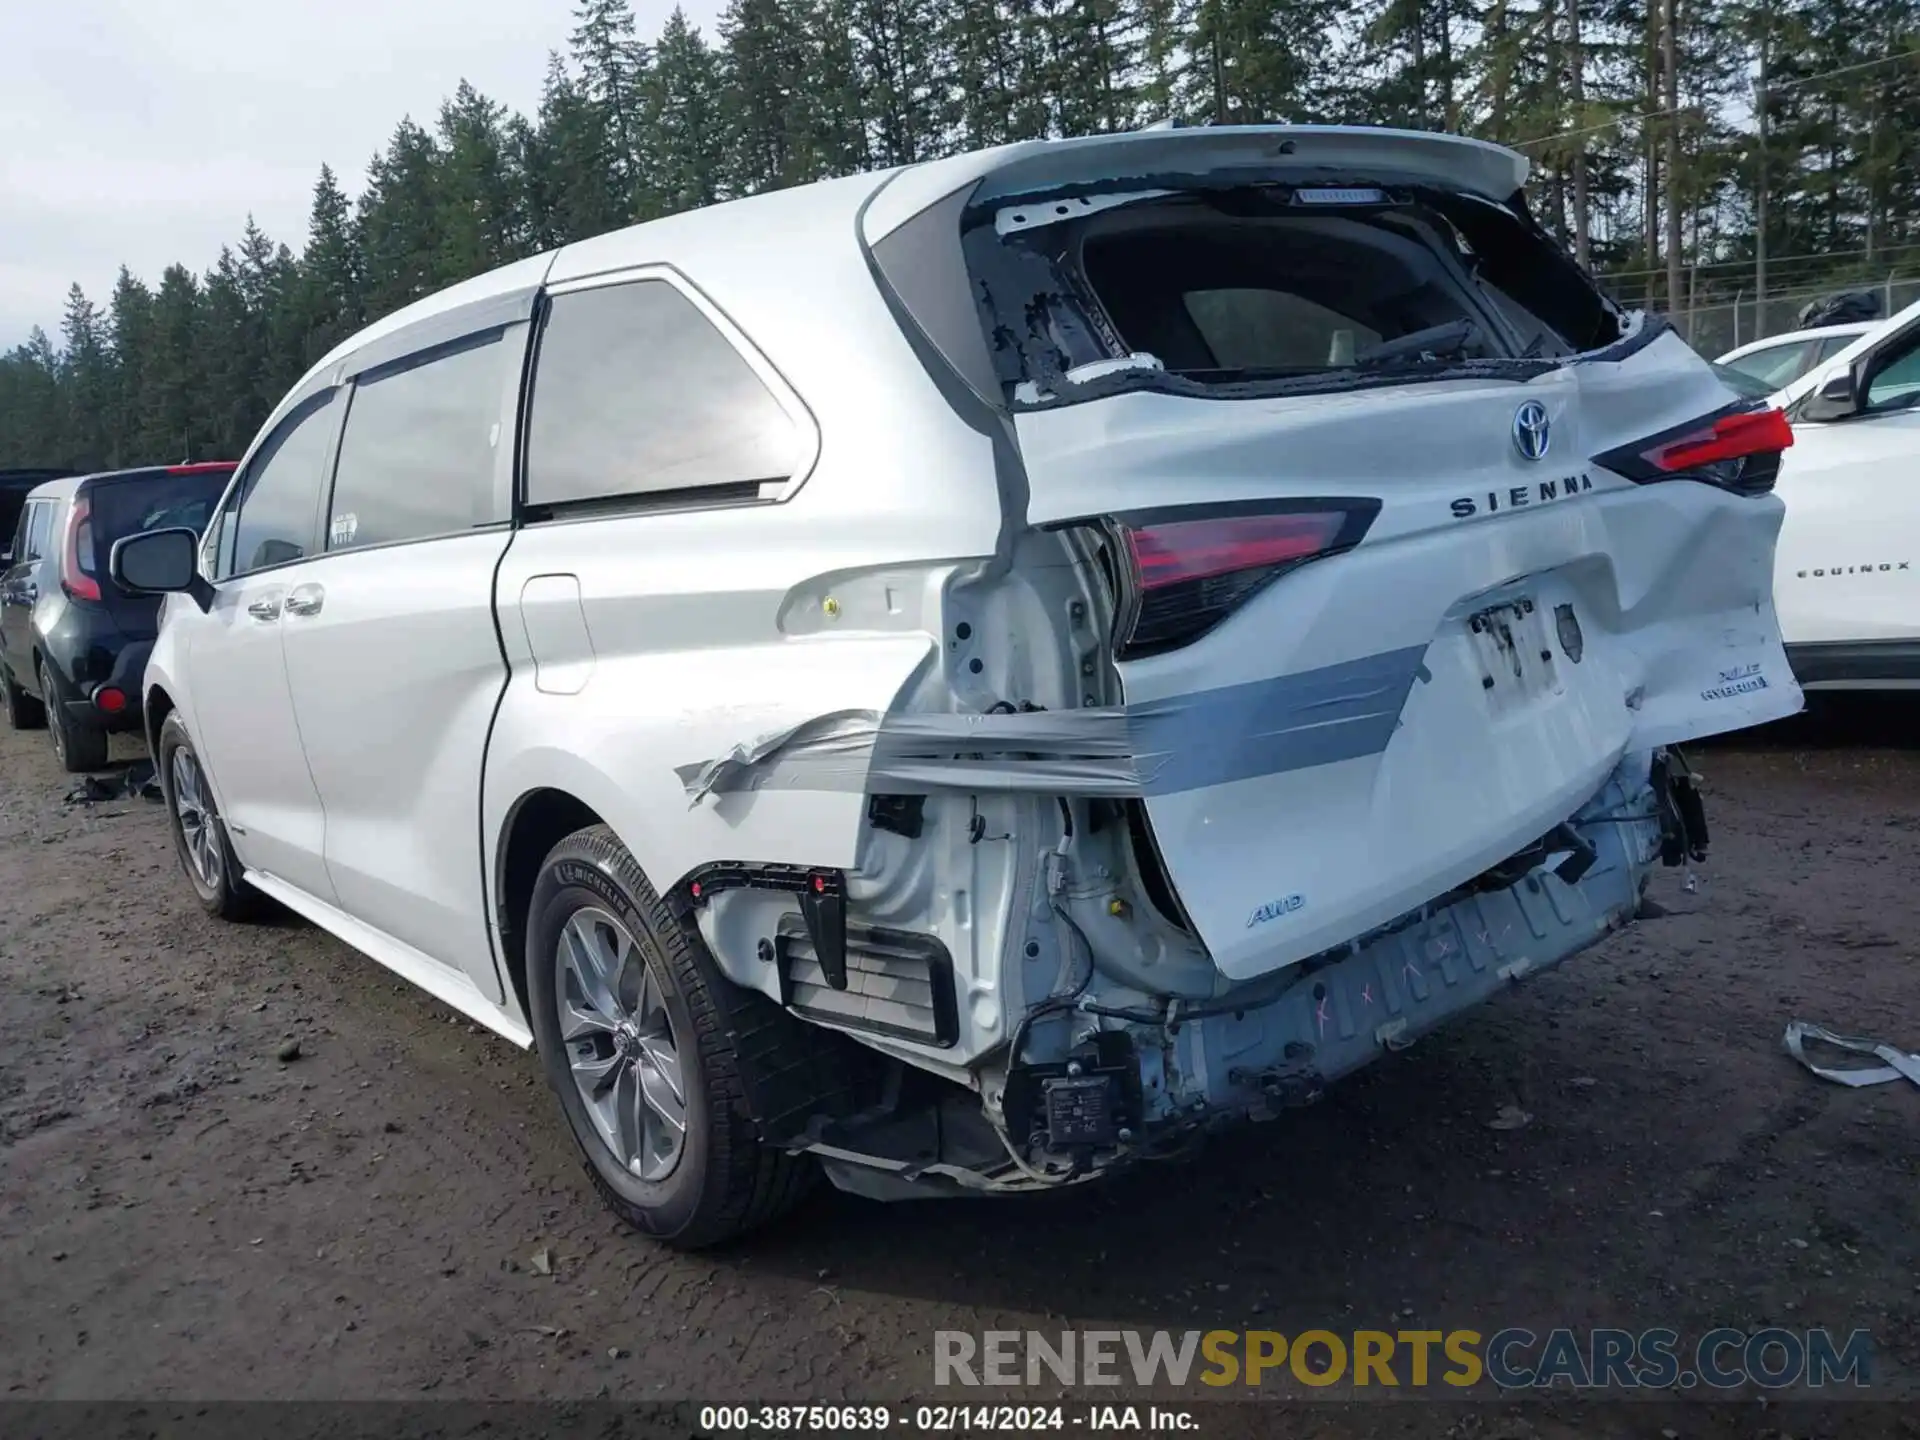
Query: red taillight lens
x,y
1730,437
1737,449
1187,570
110,700
74,580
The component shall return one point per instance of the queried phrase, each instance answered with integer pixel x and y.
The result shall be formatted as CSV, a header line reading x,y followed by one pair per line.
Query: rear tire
x,y
647,1007
23,711
78,746
199,834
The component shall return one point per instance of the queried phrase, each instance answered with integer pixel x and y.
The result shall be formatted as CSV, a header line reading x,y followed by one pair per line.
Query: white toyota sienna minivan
x,y
967,677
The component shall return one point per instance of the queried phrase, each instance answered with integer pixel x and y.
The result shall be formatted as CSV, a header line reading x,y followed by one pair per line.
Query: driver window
x,y
1897,385
272,513
21,552
39,530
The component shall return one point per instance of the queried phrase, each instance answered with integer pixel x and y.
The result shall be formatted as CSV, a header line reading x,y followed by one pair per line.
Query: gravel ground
x,y
183,1214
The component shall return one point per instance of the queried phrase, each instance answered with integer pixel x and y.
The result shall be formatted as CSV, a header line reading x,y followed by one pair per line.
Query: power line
x,y
1677,109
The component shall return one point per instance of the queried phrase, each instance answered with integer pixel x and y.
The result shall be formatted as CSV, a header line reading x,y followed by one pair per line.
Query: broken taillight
x,y
1737,449
1187,569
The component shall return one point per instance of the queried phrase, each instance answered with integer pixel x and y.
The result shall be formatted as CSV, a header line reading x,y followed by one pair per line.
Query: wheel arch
x,y
534,823
155,705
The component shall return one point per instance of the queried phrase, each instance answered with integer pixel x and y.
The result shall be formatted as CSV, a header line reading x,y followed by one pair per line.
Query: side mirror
x,y
158,562
1834,400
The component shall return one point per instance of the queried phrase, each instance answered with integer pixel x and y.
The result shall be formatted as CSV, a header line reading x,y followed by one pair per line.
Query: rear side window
x,y
37,526
417,458
273,521
636,393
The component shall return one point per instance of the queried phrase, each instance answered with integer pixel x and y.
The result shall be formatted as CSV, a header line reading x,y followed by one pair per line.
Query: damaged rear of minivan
x,y
1361,567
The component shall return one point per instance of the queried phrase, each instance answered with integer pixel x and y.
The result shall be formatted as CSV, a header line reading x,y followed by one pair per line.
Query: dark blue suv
x,y
73,644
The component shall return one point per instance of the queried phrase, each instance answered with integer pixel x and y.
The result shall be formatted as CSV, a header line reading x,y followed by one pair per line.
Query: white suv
x,y
969,676
1779,360
1845,575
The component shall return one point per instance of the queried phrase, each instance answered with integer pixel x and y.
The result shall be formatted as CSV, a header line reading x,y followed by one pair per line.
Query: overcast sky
x,y
145,131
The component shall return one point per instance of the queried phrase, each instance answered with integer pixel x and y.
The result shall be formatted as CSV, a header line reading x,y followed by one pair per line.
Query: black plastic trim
x,y
881,941
439,331
1862,662
704,883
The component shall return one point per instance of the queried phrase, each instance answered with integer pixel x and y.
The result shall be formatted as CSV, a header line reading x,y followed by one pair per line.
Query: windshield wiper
x,y
1248,372
1450,341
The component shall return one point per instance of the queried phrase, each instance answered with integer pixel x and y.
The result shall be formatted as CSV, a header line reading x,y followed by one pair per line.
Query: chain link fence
x,y
1718,320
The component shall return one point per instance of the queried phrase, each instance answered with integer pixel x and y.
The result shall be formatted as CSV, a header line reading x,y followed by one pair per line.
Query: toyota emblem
x,y
1532,430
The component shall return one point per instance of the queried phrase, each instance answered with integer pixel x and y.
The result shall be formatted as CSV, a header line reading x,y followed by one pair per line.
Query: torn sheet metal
x,y
1898,1064
1263,727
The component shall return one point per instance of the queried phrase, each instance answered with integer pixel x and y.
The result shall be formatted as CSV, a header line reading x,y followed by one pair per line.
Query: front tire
x,y
78,746
649,1049
23,711
199,834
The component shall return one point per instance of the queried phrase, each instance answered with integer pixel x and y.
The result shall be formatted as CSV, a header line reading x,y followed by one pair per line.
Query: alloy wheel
x,y
197,821
620,1044
55,727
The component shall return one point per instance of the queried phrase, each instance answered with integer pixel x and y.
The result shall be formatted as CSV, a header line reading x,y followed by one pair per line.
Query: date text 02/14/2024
x,y
716,1420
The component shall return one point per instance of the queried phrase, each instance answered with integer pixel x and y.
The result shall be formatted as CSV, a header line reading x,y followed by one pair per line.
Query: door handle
x,y
305,600
268,609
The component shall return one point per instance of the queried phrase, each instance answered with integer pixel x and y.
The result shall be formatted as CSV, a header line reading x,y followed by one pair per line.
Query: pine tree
x,y
176,423
399,221
478,194
766,104
1092,48
839,138
567,166
685,165
614,68
1163,57
1261,61
86,379
130,313
895,59
31,402
331,305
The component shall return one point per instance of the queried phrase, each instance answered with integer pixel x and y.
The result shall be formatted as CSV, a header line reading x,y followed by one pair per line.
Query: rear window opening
x,y
117,509
1267,287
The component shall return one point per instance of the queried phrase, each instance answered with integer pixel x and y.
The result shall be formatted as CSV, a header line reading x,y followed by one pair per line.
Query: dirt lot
x,y
184,1215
